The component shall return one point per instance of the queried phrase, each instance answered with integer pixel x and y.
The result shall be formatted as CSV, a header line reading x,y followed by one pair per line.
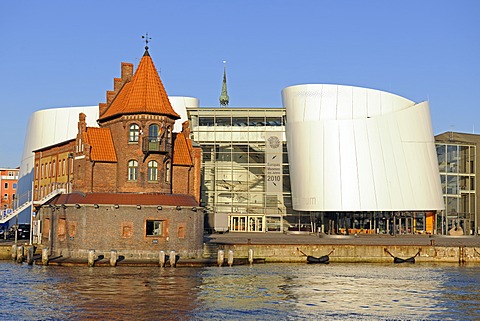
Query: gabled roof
x,y
125,199
181,151
101,143
144,94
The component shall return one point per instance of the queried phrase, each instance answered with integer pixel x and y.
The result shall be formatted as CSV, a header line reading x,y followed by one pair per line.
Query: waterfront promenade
x,y
363,239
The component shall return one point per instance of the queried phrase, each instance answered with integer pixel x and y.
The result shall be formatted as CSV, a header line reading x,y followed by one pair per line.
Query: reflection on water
x,y
279,291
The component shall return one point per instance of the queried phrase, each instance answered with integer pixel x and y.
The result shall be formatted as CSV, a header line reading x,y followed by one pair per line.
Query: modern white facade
x,y
356,149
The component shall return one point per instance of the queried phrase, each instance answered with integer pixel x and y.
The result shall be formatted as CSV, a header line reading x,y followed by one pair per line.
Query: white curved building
x,y
356,149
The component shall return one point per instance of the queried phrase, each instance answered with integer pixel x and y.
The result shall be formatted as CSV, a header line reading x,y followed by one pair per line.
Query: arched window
x,y
133,133
167,171
132,170
152,170
153,131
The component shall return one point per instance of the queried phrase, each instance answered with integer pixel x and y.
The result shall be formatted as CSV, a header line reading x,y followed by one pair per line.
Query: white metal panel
x,y
329,102
348,167
368,199
359,102
378,165
345,102
373,103
331,168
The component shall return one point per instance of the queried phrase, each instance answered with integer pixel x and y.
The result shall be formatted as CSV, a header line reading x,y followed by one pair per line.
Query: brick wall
x,y
74,231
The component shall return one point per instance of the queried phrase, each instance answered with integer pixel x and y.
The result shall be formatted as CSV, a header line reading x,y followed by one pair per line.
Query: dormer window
x,y
134,133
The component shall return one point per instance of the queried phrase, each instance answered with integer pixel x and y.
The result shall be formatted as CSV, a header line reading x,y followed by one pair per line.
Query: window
x,y
169,135
154,228
167,171
153,131
133,133
6,185
5,196
132,170
152,170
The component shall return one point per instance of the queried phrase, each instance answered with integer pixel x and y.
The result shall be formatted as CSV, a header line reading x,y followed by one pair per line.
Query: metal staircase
x,y
6,216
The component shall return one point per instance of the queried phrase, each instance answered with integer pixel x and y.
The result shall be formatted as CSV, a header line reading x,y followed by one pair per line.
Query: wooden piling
x,y
30,255
45,256
14,252
161,258
220,257
113,258
230,258
173,259
91,258
20,254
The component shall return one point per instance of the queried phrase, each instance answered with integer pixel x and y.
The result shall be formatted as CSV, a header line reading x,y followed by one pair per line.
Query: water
x,y
260,292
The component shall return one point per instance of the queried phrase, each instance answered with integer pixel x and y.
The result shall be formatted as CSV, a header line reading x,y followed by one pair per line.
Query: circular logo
x,y
273,141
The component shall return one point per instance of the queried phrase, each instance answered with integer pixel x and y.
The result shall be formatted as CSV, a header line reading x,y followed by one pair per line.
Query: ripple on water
x,y
277,291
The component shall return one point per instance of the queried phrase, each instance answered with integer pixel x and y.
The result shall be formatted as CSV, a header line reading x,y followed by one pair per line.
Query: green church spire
x,y
224,99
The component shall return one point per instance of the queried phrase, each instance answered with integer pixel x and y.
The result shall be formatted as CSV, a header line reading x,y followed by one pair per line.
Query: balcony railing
x,y
152,144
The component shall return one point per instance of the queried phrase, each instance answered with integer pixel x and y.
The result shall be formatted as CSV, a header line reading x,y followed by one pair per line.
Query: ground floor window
x,y
254,223
154,228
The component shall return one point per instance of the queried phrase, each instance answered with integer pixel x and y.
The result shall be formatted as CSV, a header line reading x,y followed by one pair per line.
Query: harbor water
x,y
258,292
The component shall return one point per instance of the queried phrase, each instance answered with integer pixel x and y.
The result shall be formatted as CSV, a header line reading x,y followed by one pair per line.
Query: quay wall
x,y
285,253
288,253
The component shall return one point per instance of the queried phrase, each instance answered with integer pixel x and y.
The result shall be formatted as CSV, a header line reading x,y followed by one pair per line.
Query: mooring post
x,y
45,256
230,257
113,258
91,258
30,255
173,258
220,257
161,259
250,256
20,254
14,251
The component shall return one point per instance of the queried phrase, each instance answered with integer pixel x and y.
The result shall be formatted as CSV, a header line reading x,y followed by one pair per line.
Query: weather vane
x,y
146,37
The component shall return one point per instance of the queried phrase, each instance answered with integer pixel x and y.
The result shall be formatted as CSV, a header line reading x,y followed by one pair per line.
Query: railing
x,y
153,144
20,206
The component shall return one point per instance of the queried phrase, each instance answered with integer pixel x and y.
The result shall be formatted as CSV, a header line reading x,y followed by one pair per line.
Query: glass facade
x,y
245,178
456,163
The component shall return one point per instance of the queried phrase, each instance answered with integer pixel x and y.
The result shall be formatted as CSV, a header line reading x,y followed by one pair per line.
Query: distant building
x,y
8,189
131,184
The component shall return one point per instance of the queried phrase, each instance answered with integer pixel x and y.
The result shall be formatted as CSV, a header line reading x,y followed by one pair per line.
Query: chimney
x,y
127,71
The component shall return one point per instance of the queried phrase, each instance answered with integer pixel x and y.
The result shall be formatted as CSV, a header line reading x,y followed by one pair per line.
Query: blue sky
x,y
66,53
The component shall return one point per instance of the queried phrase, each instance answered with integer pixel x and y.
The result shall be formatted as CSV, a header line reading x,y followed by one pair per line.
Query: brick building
x,y
131,184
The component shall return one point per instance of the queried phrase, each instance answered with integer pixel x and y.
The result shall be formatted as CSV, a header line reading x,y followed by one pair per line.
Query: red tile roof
x,y
181,151
125,199
101,143
144,94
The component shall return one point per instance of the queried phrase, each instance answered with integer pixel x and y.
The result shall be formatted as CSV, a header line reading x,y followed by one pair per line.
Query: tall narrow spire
x,y
224,99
